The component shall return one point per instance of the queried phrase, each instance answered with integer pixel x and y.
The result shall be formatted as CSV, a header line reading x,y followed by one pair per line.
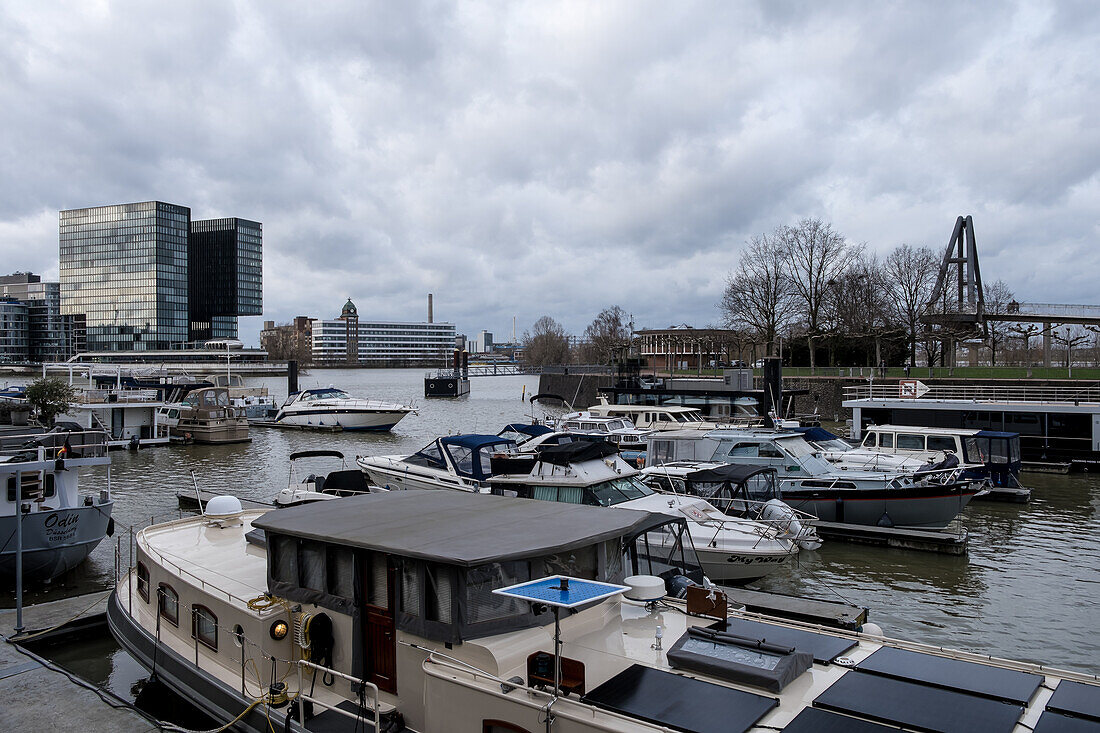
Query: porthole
x,y
238,635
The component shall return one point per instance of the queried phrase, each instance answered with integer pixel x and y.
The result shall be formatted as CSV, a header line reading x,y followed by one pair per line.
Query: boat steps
x,y
1043,467
1005,494
944,543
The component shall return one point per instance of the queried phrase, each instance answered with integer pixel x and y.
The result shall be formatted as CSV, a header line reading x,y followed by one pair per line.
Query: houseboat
x,y
206,416
1058,426
356,614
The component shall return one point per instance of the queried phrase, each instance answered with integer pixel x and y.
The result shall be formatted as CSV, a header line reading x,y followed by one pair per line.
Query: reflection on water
x,y
1028,590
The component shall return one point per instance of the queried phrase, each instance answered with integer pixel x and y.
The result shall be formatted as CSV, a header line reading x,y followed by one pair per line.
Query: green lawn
x,y
964,372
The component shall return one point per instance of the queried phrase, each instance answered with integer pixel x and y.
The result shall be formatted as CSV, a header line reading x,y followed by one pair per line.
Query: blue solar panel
x,y
1051,722
562,591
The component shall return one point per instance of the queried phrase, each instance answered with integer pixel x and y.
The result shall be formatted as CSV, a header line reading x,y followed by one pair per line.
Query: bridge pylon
x,y
958,300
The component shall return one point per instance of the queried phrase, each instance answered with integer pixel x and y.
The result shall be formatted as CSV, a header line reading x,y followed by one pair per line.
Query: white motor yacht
x,y
618,430
922,500
359,614
451,462
730,549
334,408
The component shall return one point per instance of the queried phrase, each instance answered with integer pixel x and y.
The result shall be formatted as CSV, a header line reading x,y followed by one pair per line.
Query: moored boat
x,y
334,408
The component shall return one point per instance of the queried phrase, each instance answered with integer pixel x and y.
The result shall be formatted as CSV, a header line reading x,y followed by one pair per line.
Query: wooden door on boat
x,y
379,627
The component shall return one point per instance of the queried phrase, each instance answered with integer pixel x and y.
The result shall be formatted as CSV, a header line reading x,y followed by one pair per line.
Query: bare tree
x,y
998,298
816,255
909,274
608,335
759,296
859,306
1071,336
546,343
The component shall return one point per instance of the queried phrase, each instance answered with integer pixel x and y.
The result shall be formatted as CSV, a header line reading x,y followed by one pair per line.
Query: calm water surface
x,y
1029,589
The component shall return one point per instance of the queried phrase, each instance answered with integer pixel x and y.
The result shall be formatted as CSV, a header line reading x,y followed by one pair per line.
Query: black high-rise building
x,y
225,276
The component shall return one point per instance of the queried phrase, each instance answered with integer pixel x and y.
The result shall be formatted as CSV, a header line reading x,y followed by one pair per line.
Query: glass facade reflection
x,y
144,276
50,334
124,269
226,275
14,333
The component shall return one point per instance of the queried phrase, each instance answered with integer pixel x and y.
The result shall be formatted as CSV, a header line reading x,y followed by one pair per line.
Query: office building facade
x,y
14,331
51,336
351,340
225,276
126,269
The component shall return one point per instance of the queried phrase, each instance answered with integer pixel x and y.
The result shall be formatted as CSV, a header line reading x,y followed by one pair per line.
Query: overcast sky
x,y
521,159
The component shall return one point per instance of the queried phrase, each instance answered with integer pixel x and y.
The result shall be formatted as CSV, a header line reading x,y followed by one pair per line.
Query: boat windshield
x,y
616,491
463,458
326,394
796,447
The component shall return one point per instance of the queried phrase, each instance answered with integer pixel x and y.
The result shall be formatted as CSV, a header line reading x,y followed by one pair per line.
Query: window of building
x,y
143,581
204,626
168,604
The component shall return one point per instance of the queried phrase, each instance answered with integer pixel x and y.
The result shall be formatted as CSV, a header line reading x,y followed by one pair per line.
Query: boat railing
x,y
187,574
121,396
51,446
975,393
361,404
303,664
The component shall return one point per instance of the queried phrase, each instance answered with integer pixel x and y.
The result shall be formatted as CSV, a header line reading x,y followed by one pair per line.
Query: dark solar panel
x,y
1077,699
815,720
917,706
1057,723
681,703
825,648
979,679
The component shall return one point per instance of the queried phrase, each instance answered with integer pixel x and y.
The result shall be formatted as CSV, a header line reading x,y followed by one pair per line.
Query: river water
x,y
1029,589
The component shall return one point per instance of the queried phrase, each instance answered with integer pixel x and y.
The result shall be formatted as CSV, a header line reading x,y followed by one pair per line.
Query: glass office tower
x,y
124,268
51,334
226,276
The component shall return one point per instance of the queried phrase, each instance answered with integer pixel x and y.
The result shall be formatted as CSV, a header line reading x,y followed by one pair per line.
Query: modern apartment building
x,y
49,335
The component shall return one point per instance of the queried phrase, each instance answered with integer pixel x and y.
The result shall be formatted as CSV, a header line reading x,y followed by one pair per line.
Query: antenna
x,y
198,495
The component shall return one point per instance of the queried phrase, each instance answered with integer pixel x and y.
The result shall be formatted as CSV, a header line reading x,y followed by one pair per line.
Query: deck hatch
x,y
917,706
1076,698
952,674
816,720
681,703
825,648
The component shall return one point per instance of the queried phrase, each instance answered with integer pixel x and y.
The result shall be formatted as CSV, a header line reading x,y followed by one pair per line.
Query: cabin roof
x,y
454,527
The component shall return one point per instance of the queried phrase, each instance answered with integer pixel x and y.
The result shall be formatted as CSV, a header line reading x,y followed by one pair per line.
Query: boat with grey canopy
x,y
357,614
318,486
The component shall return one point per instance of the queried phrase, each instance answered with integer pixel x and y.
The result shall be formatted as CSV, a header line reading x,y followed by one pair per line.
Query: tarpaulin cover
x,y
455,527
566,453
817,434
734,473
533,430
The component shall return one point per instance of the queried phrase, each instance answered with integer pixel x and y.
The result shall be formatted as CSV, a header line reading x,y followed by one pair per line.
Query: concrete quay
x,y
36,696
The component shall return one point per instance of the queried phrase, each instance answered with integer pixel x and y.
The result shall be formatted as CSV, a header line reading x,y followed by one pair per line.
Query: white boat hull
x,y
346,419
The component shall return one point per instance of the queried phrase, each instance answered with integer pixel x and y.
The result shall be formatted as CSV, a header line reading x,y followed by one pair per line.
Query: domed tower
x,y
350,316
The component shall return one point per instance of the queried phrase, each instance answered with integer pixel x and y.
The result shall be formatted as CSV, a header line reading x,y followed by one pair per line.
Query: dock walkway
x,y
36,695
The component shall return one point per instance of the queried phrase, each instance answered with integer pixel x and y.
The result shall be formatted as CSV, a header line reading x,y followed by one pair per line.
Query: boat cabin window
x,y
665,551
662,452
886,440
143,581
31,486
870,440
562,494
168,604
326,394
309,571
941,443
745,450
616,491
204,626
908,441
429,456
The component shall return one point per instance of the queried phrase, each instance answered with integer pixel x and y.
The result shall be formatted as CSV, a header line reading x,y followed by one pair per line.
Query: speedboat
x,y
318,487
334,408
730,549
750,492
452,462
924,500
60,525
414,609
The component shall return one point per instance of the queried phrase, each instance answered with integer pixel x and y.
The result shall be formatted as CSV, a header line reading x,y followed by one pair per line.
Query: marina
x,y
945,600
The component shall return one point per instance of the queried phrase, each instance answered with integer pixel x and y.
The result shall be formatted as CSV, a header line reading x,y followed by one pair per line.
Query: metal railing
x,y
303,697
46,446
980,393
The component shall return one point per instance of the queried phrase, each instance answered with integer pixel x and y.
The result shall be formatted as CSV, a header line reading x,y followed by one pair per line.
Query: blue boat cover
x,y
996,434
473,440
815,433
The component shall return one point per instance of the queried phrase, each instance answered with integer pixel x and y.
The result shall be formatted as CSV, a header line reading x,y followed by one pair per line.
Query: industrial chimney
x,y
430,308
